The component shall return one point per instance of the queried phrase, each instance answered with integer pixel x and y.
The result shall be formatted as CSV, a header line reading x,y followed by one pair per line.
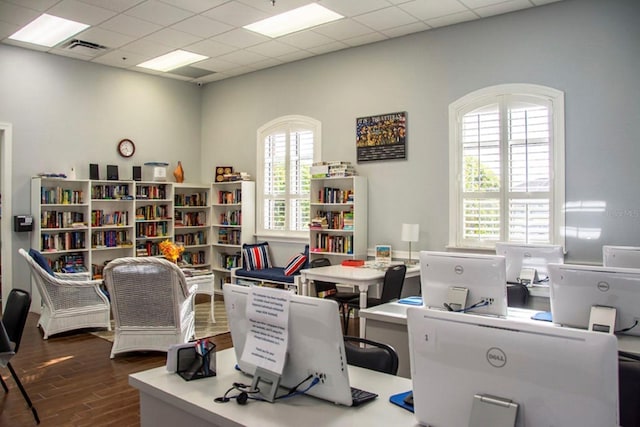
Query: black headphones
x,y
242,397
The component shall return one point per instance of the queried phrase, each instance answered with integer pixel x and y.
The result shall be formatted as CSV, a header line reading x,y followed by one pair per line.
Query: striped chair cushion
x,y
256,257
294,264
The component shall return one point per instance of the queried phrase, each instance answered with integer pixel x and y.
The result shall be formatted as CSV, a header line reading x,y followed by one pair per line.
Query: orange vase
x,y
179,172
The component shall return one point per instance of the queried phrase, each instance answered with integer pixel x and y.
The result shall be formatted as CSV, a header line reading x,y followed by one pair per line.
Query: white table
x,y
205,284
168,400
362,277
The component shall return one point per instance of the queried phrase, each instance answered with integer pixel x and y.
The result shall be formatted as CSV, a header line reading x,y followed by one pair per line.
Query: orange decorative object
x,y
179,172
353,263
170,250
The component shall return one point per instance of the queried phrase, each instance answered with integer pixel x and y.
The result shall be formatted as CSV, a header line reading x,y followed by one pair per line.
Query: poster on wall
x,y
381,137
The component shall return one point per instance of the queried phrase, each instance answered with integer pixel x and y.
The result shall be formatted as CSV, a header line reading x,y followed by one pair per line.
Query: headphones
x,y
242,397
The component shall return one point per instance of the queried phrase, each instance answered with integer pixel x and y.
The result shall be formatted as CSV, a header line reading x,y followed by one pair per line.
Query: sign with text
x,y
381,137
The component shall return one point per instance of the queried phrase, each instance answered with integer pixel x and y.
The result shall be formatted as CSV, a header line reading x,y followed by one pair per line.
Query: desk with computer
x,y
467,369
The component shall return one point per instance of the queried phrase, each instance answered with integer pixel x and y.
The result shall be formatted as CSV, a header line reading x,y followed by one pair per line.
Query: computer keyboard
x,y
360,396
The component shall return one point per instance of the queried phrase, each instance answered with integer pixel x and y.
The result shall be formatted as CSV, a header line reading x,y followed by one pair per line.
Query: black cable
x,y
627,329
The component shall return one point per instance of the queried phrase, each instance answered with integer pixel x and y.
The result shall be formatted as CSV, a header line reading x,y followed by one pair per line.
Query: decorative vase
x,y
179,172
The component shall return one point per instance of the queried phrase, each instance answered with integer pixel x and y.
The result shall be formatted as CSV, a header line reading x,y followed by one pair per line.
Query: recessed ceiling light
x,y
48,30
294,20
172,60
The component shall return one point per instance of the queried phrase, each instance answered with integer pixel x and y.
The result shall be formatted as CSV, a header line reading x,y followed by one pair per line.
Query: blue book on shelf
x,y
411,301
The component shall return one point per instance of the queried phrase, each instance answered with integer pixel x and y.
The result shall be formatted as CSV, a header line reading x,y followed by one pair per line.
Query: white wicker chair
x,y
152,304
68,303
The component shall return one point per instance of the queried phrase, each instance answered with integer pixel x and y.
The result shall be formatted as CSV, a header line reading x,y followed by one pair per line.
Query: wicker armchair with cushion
x,y
67,303
152,304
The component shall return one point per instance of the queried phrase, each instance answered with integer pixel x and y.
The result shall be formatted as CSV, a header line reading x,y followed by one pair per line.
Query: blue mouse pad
x,y
545,316
411,301
398,399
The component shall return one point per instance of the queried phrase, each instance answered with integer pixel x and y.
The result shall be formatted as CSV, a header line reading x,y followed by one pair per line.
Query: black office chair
x,y
517,295
391,289
13,321
373,355
629,389
330,290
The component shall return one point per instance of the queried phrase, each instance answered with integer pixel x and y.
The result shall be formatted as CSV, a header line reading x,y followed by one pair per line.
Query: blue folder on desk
x,y
411,301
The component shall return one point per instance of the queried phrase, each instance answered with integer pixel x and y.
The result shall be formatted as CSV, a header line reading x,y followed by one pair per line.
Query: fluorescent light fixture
x,y
48,30
294,20
172,60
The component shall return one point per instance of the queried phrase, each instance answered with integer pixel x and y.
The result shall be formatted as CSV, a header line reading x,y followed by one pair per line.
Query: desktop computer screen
x,y
464,282
574,289
316,343
467,367
621,256
527,263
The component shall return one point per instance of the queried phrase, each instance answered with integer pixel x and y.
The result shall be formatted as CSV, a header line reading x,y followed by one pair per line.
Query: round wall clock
x,y
126,148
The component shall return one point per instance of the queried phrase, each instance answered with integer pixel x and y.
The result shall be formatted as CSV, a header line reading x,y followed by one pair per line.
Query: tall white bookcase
x,y
192,224
343,202
233,223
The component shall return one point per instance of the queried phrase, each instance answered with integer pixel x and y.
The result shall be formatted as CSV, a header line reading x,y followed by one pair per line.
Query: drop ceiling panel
x,y
236,14
196,6
174,38
430,9
355,7
202,26
108,38
158,13
18,15
130,26
386,18
81,12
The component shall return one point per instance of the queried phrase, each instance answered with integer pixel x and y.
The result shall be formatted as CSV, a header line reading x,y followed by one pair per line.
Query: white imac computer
x,y
585,297
316,343
464,282
621,256
479,370
527,263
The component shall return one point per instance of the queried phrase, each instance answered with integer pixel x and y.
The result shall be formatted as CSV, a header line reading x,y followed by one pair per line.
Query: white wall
x,y
587,48
68,113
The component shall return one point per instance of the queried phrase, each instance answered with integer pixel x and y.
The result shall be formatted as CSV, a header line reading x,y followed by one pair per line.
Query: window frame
x,y
282,124
491,95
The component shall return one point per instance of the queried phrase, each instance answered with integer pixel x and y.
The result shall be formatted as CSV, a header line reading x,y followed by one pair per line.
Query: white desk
x,y
205,286
362,277
168,400
387,323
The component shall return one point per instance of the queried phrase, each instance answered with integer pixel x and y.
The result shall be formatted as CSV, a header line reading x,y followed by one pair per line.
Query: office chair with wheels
x,y
11,328
372,355
391,289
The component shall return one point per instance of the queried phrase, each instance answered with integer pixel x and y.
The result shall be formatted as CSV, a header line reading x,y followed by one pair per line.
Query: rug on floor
x,y
204,326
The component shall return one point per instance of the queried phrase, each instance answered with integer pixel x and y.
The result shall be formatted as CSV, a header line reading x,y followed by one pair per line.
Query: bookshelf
x,y
153,216
192,224
338,209
232,224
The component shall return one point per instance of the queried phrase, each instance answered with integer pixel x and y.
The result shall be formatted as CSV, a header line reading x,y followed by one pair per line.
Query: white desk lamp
x,y
410,233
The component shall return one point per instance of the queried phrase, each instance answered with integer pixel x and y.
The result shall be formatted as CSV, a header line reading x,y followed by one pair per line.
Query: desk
x,y
205,286
362,277
168,400
387,323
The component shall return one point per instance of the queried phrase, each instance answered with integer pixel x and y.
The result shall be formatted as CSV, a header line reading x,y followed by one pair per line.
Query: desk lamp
x,y
410,233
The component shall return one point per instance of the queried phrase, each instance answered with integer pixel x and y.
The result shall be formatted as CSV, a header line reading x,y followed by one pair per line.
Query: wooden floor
x,y
73,382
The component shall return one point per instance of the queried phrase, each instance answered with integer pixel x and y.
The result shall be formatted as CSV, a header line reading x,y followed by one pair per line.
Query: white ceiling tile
x,y
173,38
158,13
242,57
196,6
305,39
240,38
40,5
541,2
406,29
354,7
81,12
272,49
215,64
116,5
17,15
120,58
147,47
7,29
295,56
104,37
331,47
237,14
202,26
177,77
506,7
366,39
267,63
130,26
210,48
281,6
454,18
213,77
473,4
429,9
386,18
343,29
239,71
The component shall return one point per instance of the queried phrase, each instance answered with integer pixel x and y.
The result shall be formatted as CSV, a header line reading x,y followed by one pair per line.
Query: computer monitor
x,y
574,289
316,343
555,376
527,263
621,256
463,280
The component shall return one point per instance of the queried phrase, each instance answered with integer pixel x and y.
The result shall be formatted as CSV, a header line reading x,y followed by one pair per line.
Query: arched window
x,y
506,154
287,147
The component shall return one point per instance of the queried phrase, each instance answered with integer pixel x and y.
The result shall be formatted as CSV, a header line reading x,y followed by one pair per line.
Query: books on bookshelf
x,y
332,169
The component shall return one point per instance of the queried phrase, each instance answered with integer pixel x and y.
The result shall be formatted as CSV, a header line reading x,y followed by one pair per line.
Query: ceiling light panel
x,y
294,20
176,59
48,30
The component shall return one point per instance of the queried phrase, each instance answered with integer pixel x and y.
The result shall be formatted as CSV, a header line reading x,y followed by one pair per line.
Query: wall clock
x,y
126,148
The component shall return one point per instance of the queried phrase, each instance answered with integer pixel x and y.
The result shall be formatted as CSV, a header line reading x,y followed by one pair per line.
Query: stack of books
x,y
319,223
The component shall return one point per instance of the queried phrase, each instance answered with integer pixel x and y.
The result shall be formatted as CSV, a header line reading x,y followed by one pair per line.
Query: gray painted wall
x,y
68,113
589,49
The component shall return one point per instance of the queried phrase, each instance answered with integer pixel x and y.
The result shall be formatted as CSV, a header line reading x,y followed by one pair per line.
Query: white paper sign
x,y
268,334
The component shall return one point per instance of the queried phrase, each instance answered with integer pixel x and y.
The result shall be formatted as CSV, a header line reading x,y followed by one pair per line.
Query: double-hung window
x,y
507,166
287,147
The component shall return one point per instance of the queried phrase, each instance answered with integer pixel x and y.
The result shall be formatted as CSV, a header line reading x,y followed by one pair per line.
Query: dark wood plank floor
x,y
73,382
